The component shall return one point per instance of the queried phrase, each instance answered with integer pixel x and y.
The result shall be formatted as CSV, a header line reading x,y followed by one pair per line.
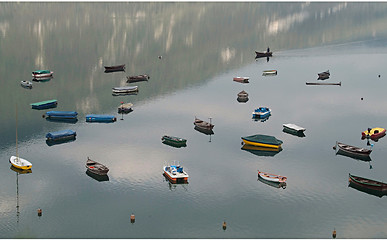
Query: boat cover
x,y
44,102
41,71
100,118
60,134
61,113
263,139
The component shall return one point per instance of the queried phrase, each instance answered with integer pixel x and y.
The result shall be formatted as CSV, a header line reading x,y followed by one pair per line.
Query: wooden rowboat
x,y
368,183
263,54
203,124
116,68
137,78
271,177
357,151
320,83
96,167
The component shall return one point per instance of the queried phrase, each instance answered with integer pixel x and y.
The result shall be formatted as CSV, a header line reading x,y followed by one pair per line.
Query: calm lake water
x,y
194,78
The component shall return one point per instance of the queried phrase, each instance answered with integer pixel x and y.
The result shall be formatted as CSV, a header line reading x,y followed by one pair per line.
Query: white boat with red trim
x,y
271,177
175,173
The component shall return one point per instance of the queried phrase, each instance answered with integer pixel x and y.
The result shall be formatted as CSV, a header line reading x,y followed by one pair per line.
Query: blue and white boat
x,y
61,135
61,114
100,118
261,112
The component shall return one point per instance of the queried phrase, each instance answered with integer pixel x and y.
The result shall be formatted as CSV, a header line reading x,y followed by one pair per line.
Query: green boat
x,y
45,104
174,141
262,141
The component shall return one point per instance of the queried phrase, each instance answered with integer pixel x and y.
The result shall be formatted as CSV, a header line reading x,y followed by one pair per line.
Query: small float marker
x,y
132,218
334,233
224,226
39,212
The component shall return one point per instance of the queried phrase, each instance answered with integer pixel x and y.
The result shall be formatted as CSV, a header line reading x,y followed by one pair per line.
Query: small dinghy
x,y
203,124
127,89
271,177
351,150
125,108
374,133
175,173
26,84
293,129
269,73
100,118
117,68
174,141
42,74
96,167
261,112
241,79
137,78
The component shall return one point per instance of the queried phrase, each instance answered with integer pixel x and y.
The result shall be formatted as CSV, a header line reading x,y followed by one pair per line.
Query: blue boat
x,y
100,118
45,104
261,112
61,135
61,115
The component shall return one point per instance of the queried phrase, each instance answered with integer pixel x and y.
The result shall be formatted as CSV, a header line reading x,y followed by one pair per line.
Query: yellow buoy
x,y
334,233
224,225
132,218
39,212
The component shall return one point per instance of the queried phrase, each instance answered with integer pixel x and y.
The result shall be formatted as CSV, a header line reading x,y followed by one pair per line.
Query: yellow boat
x,y
263,141
374,132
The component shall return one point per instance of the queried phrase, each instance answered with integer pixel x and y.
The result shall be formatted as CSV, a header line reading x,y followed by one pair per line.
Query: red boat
x,y
241,79
374,133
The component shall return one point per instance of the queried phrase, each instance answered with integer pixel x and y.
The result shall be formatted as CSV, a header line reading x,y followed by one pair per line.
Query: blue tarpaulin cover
x,y
61,113
60,134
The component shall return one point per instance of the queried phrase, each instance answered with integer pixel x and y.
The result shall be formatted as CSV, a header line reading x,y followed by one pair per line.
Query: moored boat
x,y
261,112
321,83
175,141
368,183
96,167
42,73
26,84
262,141
243,94
100,118
324,74
175,173
116,68
62,135
203,124
127,89
20,163
271,177
269,72
273,184
125,108
374,133
293,128
61,114
241,79
137,78
45,104
263,54
352,149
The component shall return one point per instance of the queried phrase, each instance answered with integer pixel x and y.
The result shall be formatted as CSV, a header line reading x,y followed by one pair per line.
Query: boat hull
x,y
262,141
20,163
272,177
100,118
351,150
44,104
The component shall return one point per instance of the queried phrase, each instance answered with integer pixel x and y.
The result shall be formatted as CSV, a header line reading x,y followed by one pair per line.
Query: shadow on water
x,y
99,178
57,142
297,134
367,190
261,151
59,120
174,186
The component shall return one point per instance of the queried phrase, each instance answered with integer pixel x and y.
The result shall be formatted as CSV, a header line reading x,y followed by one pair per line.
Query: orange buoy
x,y
132,218
224,225
334,233
39,212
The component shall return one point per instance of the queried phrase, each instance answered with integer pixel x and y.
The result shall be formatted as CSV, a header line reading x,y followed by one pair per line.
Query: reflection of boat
x,y
241,79
261,151
262,141
96,167
42,79
116,68
99,178
205,131
203,124
26,84
263,54
125,93
125,107
57,142
45,104
261,112
100,118
17,161
175,173
269,73
262,119
298,134
41,74
74,120
293,128
62,135
61,115
365,158
20,171
127,89
137,78
324,77
174,141
273,184
321,83
174,186
367,185
271,177
351,150
374,133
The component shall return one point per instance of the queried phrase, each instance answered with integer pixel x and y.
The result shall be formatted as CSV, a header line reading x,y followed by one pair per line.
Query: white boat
x,y
175,173
269,72
261,112
42,74
271,177
20,163
26,84
293,128
125,107
127,89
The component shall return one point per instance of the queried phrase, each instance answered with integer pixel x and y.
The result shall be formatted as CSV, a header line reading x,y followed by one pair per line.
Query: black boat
x,y
117,68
